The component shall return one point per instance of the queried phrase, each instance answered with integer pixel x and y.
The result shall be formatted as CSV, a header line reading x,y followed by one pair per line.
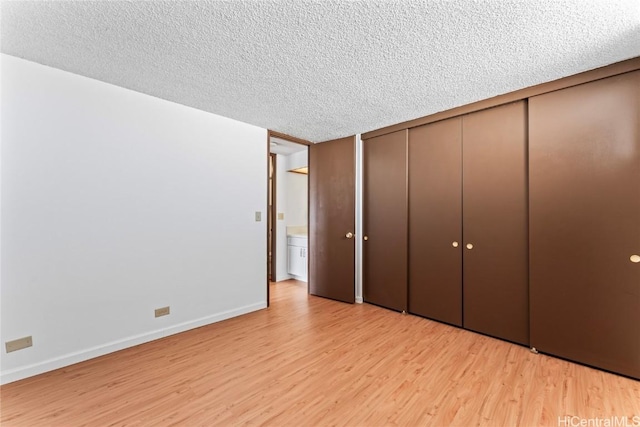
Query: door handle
x,y
365,238
455,244
349,235
634,258
469,246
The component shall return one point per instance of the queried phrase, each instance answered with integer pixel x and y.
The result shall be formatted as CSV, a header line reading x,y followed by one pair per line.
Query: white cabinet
x,y
297,257
297,261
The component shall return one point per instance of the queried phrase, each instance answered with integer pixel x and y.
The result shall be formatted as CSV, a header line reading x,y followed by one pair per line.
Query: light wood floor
x,y
308,361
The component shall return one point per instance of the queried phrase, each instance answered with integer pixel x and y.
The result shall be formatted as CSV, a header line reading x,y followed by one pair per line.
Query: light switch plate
x,y
258,216
18,344
164,311
280,216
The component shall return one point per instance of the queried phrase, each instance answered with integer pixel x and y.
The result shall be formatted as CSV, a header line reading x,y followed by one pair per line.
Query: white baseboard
x,y
90,353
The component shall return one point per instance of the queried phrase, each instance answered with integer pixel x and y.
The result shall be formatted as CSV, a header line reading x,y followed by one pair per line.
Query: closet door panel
x,y
495,214
435,221
385,220
585,223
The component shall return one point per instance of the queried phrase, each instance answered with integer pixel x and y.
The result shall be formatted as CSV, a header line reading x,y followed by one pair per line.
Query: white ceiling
x,y
323,69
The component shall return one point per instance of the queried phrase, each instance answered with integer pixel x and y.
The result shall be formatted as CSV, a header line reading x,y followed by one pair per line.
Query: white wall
x,y
115,203
296,199
298,159
291,200
297,190
281,225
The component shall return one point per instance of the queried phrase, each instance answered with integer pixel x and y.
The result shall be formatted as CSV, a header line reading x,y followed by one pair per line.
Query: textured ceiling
x,y
323,69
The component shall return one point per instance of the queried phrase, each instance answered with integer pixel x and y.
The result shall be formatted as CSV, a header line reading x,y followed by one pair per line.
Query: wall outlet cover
x,y
258,216
280,216
163,311
18,344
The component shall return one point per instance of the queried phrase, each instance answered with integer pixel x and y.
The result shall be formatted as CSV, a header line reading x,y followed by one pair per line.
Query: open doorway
x,y
287,215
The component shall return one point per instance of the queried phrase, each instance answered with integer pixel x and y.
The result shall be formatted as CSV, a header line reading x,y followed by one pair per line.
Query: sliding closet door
x,y
495,235
585,223
385,220
435,221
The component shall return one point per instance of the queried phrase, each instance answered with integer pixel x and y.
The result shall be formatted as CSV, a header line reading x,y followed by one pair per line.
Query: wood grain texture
x,y
310,361
588,76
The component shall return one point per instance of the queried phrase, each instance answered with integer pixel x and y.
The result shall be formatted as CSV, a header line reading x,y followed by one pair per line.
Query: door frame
x,y
272,213
271,217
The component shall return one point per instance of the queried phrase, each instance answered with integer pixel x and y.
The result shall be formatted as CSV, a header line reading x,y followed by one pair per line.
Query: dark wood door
x,y
435,221
331,218
385,220
495,235
585,223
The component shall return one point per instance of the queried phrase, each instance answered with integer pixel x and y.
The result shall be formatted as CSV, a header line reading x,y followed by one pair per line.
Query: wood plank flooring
x,y
309,361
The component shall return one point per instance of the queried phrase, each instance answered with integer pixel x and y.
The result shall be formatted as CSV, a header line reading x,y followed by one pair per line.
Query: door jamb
x,y
272,213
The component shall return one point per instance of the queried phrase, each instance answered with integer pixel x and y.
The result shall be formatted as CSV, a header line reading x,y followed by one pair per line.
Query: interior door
x,y
332,219
435,221
585,223
385,220
495,226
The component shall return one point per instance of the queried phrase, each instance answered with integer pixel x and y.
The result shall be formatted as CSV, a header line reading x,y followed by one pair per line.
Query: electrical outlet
x,y
18,344
258,216
280,216
163,311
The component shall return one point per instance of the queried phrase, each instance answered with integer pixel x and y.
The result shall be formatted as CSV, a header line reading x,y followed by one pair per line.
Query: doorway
x,y
287,213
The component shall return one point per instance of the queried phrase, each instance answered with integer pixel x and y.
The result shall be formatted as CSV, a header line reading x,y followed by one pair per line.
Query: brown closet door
x,y
331,217
435,221
385,220
495,275
585,223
